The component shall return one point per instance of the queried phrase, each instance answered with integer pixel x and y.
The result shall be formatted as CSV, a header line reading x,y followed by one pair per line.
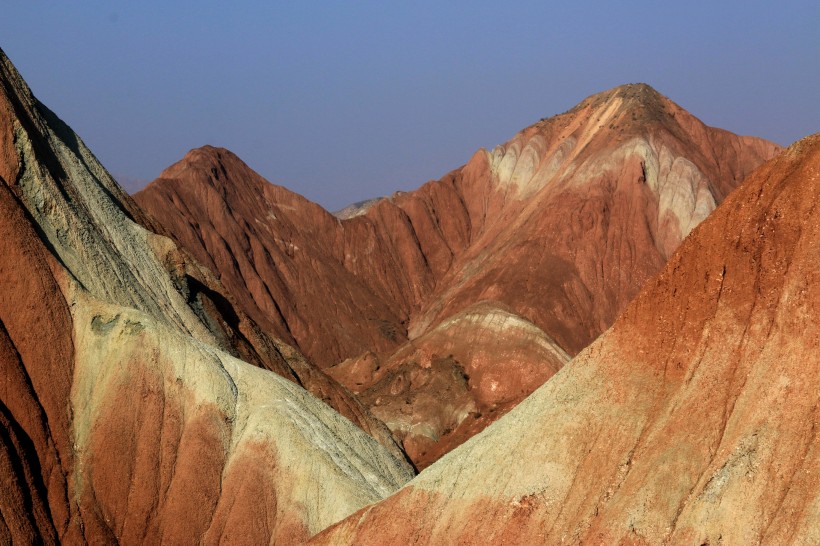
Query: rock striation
x,y
125,414
570,217
693,420
558,228
335,289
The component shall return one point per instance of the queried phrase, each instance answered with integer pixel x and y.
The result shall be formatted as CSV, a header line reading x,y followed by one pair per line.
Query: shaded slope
x,y
694,419
123,415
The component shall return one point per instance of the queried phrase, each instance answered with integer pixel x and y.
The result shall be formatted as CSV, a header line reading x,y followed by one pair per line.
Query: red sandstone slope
x,y
35,444
560,227
336,288
125,416
574,213
693,420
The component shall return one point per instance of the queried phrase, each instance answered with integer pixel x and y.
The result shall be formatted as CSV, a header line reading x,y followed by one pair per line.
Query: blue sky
x,y
342,101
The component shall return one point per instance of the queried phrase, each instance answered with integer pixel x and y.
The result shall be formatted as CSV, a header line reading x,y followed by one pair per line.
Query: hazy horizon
x,y
343,103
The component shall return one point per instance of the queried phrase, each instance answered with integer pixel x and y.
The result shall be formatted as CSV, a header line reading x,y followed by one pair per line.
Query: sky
x,y
344,101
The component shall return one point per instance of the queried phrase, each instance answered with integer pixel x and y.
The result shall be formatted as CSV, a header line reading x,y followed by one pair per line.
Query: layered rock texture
x,y
538,243
126,414
693,420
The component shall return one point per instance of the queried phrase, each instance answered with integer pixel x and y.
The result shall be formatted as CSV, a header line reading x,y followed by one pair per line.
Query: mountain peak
x,y
206,151
206,154
640,100
211,164
640,89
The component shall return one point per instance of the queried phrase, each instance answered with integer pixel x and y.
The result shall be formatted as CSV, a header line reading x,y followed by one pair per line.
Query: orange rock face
x,y
693,420
560,227
572,215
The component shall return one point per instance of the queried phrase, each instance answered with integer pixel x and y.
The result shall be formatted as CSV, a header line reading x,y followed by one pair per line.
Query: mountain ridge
x,y
137,403
560,226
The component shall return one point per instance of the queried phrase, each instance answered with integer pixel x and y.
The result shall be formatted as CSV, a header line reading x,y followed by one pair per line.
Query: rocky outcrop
x,y
125,415
693,420
560,227
445,386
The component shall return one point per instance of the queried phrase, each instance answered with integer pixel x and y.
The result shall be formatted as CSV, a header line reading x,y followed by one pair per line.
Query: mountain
x,y
572,215
126,414
336,289
558,228
694,419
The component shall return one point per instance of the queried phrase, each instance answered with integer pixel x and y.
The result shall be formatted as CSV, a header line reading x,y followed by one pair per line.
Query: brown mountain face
x,y
337,289
559,228
125,414
693,420
572,215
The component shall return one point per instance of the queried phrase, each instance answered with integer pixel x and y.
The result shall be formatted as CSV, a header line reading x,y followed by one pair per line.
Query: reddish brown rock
x,y
335,289
572,215
561,226
35,376
693,420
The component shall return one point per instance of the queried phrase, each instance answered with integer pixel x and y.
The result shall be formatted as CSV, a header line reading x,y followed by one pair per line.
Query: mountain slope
x,y
124,414
694,419
559,227
337,289
574,213
441,388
